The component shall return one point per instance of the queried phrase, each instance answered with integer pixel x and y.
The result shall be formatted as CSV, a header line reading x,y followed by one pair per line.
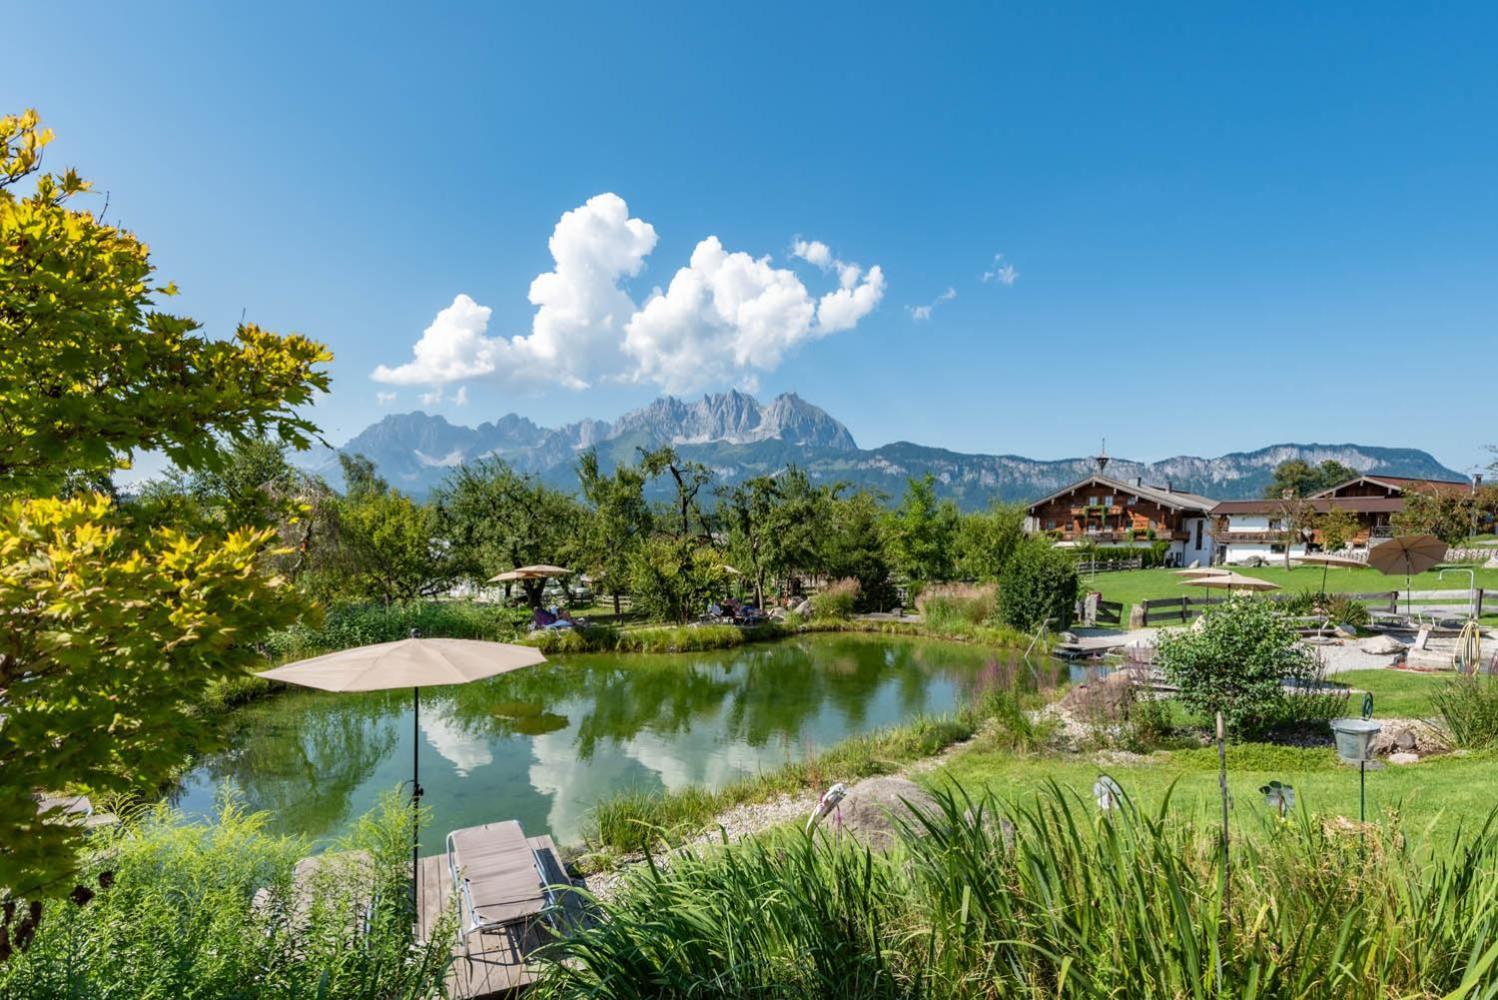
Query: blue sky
x,y
1227,228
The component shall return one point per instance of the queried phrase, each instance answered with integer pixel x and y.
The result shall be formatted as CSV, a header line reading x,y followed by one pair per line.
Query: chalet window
x,y
1275,524
1108,501
1198,535
1278,548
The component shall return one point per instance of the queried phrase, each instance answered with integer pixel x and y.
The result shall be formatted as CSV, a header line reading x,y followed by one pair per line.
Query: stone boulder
x,y
873,807
1404,758
1407,736
1382,645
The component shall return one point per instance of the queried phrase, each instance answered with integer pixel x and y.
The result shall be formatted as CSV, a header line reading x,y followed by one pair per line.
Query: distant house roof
x,y
1161,495
1318,503
1402,484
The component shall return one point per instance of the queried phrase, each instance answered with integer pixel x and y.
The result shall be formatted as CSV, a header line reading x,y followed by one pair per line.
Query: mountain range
x,y
738,437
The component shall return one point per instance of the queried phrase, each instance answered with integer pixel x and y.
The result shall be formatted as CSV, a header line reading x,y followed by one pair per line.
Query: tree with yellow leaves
x,y
111,632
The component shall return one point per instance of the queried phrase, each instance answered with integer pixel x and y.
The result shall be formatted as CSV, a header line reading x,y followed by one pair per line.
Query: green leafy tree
x,y
113,629
90,370
854,548
1236,661
1298,478
618,522
799,526
494,519
750,509
922,531
1337,529
1450,517
392,549
688,478
1039,584
986,540
673,579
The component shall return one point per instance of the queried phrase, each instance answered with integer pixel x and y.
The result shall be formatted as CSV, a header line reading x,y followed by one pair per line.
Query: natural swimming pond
x,y
543,745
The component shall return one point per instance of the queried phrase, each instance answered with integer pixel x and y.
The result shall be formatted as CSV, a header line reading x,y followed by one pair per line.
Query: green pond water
x,y
543,745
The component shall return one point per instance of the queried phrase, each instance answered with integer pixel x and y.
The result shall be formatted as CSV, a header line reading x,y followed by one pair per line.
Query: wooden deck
x,y
500,969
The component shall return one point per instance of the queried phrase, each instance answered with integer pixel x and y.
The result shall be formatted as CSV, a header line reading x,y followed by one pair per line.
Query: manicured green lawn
x,y
1397,694
1440,792
1133,586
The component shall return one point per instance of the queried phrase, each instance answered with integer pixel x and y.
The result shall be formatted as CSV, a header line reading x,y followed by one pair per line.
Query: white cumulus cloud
x,y
722,318
384,398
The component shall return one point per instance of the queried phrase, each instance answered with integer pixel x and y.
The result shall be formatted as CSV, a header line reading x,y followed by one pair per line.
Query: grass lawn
x,y
1440,792
1397,694
1133,586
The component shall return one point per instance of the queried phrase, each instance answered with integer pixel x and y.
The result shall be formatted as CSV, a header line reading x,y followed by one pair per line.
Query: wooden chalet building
x,y
1108,511
1249,531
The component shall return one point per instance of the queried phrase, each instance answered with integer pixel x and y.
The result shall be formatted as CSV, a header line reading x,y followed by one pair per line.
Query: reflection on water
x,y
543,745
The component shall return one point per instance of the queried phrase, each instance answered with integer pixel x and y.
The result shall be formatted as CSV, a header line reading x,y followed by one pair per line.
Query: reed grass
x,y
214,910
1053,899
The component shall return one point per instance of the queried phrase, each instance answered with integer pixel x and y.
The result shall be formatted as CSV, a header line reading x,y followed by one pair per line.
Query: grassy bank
x,y
1058,899
695,638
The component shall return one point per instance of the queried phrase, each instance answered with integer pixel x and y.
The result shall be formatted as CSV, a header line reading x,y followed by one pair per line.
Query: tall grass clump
x,y
345,626
981,899
210,910
836,600
1468,708
957,607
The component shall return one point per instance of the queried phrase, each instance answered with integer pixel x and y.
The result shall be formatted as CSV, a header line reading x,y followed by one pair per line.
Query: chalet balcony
x,y
1122,537
1097,511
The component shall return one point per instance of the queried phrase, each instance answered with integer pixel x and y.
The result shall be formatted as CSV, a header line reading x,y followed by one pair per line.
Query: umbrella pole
x,y
415,801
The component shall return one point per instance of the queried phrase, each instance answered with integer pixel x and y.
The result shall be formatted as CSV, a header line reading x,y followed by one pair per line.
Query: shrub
x,y
1039,583
1338,608
218,910
947,607
673,579
1468,708
1235,660
836,600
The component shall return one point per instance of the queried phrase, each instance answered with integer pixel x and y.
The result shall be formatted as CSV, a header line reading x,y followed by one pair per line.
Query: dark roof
x,y
1403,483
1353,505
1178,499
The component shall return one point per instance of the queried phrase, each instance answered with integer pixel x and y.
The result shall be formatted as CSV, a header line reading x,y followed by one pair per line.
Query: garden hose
x,y
1468,655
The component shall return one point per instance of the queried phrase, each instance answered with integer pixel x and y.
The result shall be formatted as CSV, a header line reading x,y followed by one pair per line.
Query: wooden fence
x,y
1184,609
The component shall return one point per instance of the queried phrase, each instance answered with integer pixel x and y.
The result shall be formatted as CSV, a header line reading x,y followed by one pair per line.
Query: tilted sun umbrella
x,y
1326,561
1202,571
1407,554
412,663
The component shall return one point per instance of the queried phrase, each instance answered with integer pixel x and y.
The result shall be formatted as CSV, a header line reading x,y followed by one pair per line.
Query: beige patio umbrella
x,y
1201,571
1407,554
1231,582
528,575
412,663
1326,561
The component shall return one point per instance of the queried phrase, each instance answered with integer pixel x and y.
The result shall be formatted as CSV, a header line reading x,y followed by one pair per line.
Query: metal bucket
x,y
1355,738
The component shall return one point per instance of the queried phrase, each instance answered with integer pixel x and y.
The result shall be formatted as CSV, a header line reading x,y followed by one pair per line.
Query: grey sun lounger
x,y
497,876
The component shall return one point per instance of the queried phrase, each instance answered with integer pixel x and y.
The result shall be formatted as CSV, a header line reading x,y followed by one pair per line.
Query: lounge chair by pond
x,y
499,878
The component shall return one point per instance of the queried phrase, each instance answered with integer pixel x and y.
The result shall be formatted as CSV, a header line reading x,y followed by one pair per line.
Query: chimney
x,y
1138,481
1168,487
1476,481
